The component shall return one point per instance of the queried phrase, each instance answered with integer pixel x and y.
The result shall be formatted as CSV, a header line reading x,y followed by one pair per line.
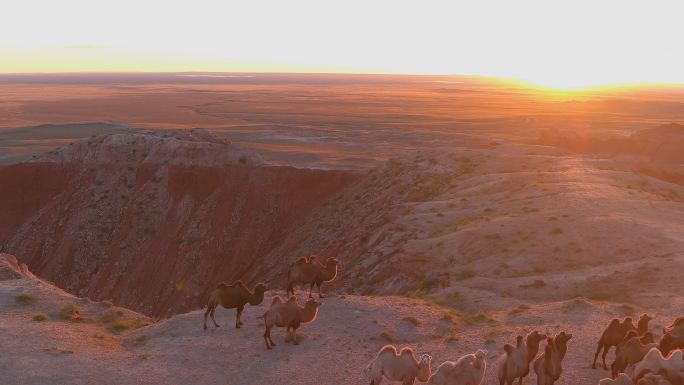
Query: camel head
x,y
519,341
332,262
479,358
535,338
645,318
424,367
628,323
563,337
552,361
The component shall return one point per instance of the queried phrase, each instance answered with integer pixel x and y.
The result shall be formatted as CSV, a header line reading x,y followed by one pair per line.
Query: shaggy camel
x,y
560,342
548,365
654,362
290,315
621,379
673,336
612,336
308,270
468,370
653,379
232,296
399,366
631,351
515,363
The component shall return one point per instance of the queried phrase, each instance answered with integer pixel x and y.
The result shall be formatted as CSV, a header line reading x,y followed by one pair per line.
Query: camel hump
x,y
614,322
675,323
508,348
630,334
276,300
301,261
222,285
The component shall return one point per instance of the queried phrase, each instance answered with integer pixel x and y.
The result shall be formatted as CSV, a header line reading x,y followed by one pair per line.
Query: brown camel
x,y
307,270
642,325
630,351
548,365
290,315
612,336
232,296
515,363
673,336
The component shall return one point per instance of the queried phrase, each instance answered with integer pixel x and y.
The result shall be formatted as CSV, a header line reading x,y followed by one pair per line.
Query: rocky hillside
x,y
153,222
460,227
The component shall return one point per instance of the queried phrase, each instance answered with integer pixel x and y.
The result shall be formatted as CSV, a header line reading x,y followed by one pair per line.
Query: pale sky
x,y
551,43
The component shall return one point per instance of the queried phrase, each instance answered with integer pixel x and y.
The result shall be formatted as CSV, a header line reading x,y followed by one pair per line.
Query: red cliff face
x,y
155,237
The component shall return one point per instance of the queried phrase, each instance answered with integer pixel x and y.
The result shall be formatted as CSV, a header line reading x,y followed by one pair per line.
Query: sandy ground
x,y
334,349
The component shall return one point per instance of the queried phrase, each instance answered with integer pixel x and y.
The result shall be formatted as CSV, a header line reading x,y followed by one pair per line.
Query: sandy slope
x,y
334,349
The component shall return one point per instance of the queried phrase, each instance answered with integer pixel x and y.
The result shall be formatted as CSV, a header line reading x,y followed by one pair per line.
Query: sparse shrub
x,y
465,274
428,284
242,160
387,336
139,340
111,316
537,284
493,237
519,309
70,312
119,326
556,231
412,320
25,299
553,219
40,317
489,341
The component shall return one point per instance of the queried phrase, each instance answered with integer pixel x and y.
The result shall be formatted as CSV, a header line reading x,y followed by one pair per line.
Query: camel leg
x,y
598,350
376,380
238,323
213,319
206,314
320,295
290,289
311,289
605,353
267,335
294,335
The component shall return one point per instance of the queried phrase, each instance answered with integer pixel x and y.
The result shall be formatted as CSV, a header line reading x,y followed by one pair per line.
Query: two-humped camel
x,y
613,335
236,295
399,366
307,270
548,365
288,315
515,363
467,370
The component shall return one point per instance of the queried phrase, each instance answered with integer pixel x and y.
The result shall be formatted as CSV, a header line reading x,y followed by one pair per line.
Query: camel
x,y
654,362
399,366
653,379
631,351
547,365
612,336
232,296
515,363
290,315
673,336
308,270
642,324
468,370
560,342
621,379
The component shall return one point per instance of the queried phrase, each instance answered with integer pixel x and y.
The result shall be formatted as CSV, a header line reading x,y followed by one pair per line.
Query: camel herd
x,y
639,359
